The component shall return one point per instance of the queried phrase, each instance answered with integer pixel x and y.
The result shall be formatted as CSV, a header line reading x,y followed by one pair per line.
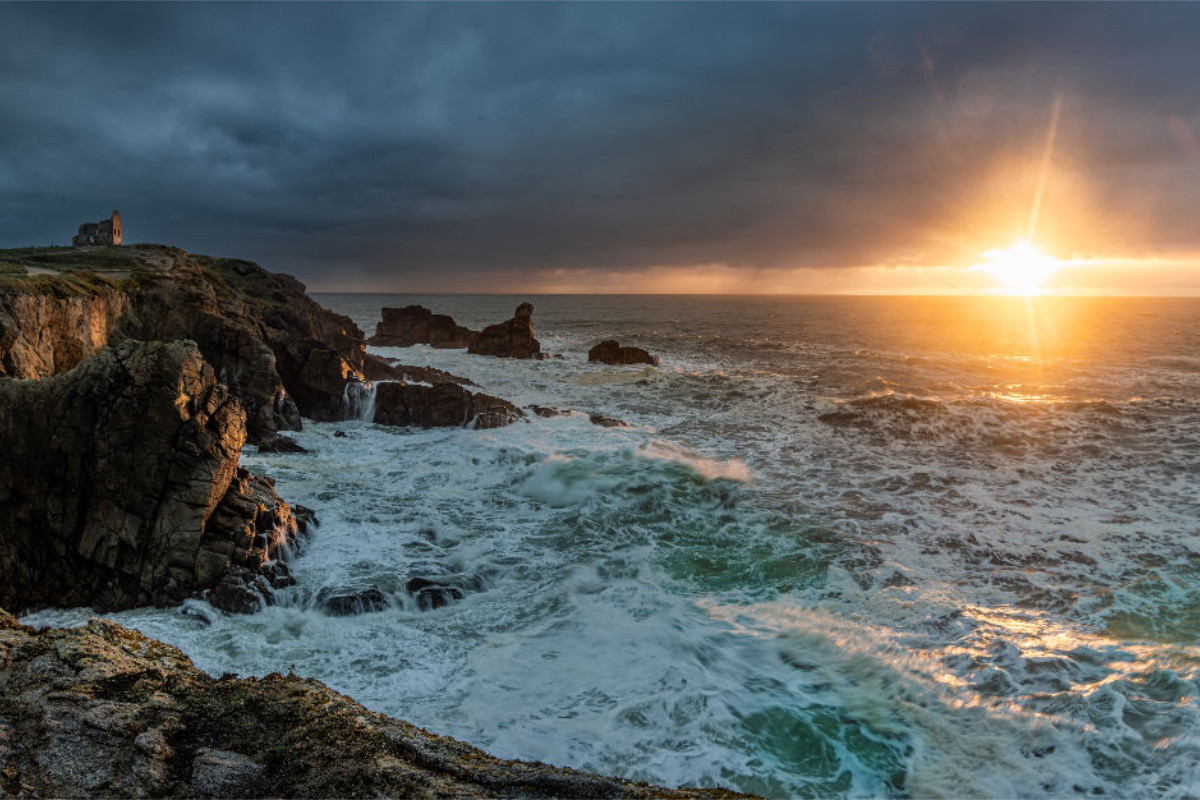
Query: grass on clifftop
x,y
125,258
66,284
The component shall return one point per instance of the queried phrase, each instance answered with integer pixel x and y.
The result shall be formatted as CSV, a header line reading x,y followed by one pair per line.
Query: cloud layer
x,y
381,144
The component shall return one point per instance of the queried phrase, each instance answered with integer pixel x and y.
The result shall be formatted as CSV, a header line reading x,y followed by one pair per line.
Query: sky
x,y
616,147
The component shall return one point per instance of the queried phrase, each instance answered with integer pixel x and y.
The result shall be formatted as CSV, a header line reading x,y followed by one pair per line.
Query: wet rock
x,y
339,434
606,421
278,443
510,339
440,405
435,592
102,710
404,327
548,411
221,773
610,351
345,603
390,369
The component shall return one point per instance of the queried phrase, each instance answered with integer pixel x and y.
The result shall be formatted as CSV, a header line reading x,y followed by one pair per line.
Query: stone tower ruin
x,y
106,231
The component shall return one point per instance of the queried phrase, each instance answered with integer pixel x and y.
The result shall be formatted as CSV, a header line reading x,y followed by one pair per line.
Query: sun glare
x,y
1021,269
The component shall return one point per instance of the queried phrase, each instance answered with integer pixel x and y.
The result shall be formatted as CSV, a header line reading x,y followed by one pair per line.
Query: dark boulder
x,y
610,351
404,327
511,339
437,591
278,443
347,602
440,405
606,421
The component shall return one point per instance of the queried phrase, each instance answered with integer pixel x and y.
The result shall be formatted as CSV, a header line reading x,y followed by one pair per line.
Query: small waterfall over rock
x,y
358,400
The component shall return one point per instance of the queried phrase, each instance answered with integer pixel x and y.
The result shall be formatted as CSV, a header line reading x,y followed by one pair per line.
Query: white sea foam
x,y
772,579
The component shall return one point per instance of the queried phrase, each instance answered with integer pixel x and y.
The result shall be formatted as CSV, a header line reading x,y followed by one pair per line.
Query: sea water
x,y
928,547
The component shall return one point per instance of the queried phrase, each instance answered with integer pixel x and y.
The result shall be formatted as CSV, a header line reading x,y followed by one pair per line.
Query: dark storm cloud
x,y
405,138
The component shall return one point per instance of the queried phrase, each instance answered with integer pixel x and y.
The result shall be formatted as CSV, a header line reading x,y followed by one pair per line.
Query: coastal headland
x,y
130,379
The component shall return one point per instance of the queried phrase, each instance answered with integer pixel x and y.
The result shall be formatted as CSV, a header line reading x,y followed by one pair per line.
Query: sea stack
x,y
510,339
610,351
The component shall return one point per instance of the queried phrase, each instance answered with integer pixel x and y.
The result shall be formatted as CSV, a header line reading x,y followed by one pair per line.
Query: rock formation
x,y
404,327
44,332
120,485
104,711
610,351
511,339
442,404
281,354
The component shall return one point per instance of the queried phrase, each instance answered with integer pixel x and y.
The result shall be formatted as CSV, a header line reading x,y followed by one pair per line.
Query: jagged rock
x,y
43,334
278,443
435,592
258,329
321,385
404,327
548,411
511,339
607,422
119,483
379,369
610,351
440,405
344,603
104,711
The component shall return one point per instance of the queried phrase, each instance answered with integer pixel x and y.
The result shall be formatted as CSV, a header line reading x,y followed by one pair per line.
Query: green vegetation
x,y
67,284
130,258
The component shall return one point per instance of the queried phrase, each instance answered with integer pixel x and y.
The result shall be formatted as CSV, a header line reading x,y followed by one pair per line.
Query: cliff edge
x,y
104,711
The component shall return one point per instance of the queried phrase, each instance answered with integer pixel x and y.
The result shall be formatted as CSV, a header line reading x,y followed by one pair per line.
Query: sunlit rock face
x,y
120,484
43,333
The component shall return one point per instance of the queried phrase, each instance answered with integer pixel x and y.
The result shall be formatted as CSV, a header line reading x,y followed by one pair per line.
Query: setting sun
x,y
1021,269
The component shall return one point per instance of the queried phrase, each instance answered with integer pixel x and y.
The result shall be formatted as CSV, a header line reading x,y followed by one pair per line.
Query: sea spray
x,y
358,400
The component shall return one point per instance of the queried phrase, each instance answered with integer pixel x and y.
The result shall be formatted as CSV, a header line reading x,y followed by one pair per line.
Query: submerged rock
x,y
606,421
105,711
510,339
405,327
441,590
278,443
348,602
120,486
440,405
610,351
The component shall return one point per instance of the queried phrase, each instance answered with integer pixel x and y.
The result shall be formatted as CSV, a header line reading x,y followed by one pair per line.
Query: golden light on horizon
x,y
1021,269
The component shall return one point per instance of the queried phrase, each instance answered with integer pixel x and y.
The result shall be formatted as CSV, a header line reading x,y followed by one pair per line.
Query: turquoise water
x,y
928,547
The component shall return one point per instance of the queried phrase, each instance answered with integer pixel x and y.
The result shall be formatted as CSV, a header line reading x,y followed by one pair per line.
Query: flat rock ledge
x,y
103,711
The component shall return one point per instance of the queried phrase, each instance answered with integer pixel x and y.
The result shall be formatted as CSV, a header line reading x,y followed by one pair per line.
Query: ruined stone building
x,y
106,231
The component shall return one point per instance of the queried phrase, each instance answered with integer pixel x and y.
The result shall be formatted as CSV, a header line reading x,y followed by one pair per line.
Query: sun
x,y
1021,269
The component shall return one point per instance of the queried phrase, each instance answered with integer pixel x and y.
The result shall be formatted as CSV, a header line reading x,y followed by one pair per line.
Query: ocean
x,y
845,547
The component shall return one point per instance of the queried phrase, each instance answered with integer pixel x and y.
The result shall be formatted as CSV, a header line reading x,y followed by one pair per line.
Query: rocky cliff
x,y
52,326
282,355
103,711
120,484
